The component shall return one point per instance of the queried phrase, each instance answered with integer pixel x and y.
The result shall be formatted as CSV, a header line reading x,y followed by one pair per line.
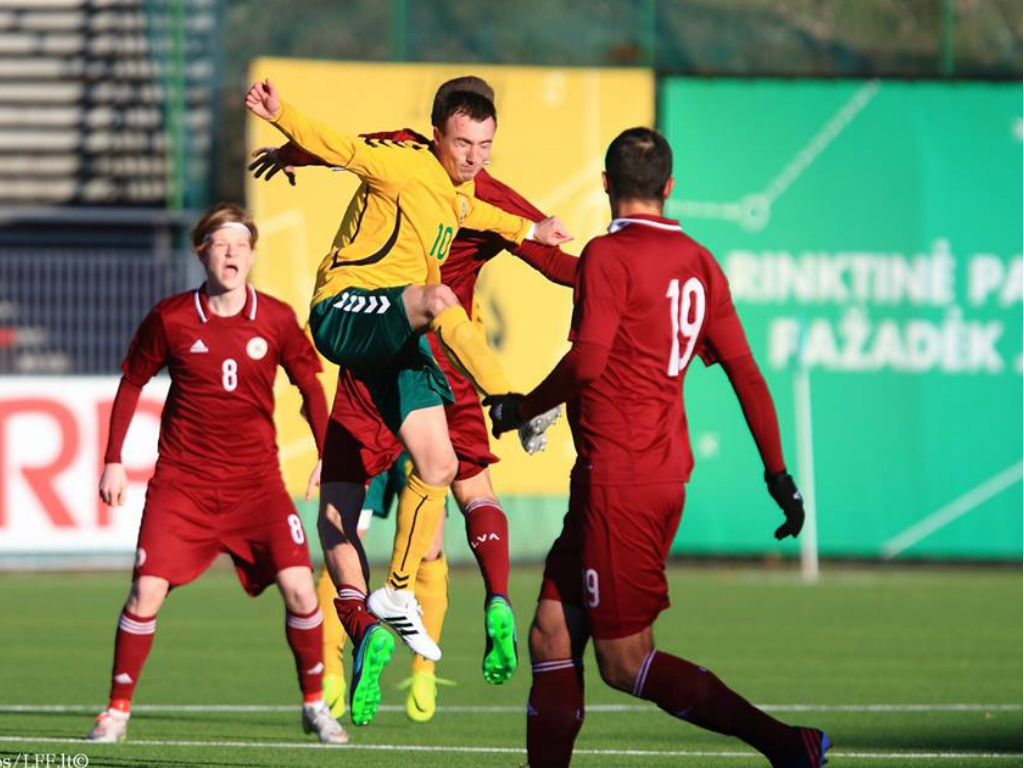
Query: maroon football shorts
x,y
185,525
359,446
610,557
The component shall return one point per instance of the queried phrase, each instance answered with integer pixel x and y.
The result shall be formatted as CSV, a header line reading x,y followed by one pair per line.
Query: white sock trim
x,y
305,622
551,666
477,503
133,627
641,676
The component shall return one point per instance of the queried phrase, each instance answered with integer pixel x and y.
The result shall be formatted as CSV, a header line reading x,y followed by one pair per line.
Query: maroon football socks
x,y
305,638
554,713
131,647
351,607
695,694
487,534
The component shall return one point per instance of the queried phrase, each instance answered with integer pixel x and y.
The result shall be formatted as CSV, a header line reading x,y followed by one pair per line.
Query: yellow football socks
x,y
419,509
334,635
432,594
467,346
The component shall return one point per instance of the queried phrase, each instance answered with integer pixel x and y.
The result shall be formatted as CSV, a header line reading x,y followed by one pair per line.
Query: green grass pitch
x,y
903,667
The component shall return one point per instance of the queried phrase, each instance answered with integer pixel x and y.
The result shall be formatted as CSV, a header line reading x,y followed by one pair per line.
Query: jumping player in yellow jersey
x,y
377,292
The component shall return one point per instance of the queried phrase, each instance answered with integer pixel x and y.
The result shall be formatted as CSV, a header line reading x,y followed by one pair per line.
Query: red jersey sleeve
x,y
724,338
147,353
601,293
552,262
300,362
121,412
556,265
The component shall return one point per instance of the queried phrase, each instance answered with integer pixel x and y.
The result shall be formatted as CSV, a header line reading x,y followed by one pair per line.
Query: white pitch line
x,y
505,709
504,750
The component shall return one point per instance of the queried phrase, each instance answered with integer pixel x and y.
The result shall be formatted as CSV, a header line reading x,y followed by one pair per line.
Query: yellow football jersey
x,y
401,222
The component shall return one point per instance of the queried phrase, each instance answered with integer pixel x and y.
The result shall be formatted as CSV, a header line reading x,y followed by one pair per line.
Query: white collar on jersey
x,y
620,224
202,314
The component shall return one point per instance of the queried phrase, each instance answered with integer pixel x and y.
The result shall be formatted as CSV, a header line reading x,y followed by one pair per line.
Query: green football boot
x,y
371,656
501,655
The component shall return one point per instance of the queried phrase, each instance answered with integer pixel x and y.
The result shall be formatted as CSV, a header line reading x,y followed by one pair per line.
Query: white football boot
x,y
533,434
317,718
399,609
111,727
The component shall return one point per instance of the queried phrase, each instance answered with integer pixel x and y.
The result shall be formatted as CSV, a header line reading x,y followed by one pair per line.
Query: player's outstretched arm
x,y
551,231
269,161
485,217
555,264
504,412
263,100
582,364
367,159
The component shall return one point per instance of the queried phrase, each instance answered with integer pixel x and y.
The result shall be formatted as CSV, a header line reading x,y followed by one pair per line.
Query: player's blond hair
x,y
216,217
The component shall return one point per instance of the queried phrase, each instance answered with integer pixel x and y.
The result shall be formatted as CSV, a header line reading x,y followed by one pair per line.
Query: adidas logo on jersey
x,y
199,347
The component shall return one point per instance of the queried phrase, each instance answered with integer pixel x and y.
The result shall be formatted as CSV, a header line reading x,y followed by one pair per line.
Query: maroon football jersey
x,y
655,299
218,420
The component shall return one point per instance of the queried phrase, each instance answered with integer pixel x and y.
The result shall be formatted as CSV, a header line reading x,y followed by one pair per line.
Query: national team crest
x,y
257,348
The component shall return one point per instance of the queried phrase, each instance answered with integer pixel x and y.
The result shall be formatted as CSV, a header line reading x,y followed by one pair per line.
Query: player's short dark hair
x,y
216,216
472,105
470,83
638,164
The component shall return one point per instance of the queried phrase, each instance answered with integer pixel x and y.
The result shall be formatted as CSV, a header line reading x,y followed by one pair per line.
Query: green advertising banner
x,y
872,235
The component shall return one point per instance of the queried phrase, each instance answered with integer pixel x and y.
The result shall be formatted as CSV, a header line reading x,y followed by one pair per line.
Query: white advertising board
x,y
53,435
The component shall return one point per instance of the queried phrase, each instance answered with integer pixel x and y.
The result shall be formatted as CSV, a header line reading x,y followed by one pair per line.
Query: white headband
x,y
228,225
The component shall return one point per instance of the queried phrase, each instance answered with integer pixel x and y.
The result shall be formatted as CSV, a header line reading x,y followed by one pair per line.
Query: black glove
x,y
268,163
504,412
783,490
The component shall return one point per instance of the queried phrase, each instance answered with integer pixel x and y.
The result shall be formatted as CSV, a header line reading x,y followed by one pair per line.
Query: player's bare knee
x,y
146,596
439,470
473,489
617,670
299,598
549,640
330,528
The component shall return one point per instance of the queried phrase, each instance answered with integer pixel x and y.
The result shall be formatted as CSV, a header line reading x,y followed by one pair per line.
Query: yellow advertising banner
x,y
554,127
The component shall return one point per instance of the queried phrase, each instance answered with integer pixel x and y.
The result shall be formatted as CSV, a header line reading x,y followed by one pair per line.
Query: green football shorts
x,y
368,332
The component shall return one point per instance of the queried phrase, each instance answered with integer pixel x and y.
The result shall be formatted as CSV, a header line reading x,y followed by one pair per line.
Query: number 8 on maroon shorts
x,y
186,525
610,556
